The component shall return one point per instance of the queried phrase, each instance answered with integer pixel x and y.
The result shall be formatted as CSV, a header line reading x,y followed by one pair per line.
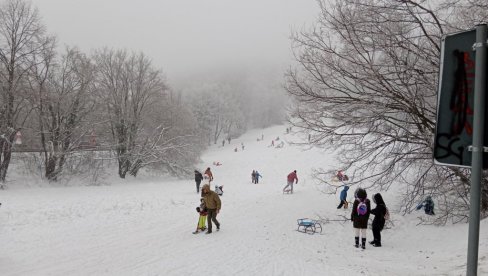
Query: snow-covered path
x,y
144,227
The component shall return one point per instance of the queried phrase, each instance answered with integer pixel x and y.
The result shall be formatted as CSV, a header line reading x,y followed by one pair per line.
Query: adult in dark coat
x,y
360,222
198,179
379,219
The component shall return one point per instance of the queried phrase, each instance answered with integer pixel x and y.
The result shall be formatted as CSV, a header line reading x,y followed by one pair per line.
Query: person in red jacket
x,y
290,179
208,175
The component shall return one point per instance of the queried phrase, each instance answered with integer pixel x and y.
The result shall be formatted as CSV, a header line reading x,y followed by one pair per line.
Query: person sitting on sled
x,y
219,190
341,176
202,210
428,205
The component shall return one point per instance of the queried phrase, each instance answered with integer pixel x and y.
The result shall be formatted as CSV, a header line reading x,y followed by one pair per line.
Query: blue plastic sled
x,y
309,226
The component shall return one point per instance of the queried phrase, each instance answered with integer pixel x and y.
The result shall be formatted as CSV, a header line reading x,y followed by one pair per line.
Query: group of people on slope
x,y
210,205
255,176
360,213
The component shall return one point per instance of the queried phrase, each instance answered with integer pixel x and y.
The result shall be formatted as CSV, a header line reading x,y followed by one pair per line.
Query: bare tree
x,y
365,86
65,99
127,83
21,36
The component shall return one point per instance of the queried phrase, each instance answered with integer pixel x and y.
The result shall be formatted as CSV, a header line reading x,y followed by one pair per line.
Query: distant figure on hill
x,y
223,142
290,179
242,145
257,176
253,176
208,173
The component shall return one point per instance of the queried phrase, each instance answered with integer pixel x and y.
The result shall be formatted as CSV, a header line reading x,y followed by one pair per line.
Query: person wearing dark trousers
x,y
343,198
379,219
360,215
257,175
213,204
290,178
198,179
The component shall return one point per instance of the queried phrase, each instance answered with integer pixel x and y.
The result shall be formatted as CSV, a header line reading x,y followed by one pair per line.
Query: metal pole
x,y
477,157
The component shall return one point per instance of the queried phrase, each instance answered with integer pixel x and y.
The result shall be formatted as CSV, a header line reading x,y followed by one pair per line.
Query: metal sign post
x,y
477,149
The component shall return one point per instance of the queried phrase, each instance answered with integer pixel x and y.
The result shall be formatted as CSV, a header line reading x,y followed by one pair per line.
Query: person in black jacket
x,y
198,180
360,218
379,219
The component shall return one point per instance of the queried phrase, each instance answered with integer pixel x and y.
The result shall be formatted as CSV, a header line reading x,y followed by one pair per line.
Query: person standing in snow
x,y
379,219
253,176
290,179
257,176
209,175
343,198
360,215
198,179
213,204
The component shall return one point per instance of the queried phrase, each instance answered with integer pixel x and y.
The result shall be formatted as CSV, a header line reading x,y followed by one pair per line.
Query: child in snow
x,y
343,198
360,215
379,219
202,210
428,205
219,190
341,176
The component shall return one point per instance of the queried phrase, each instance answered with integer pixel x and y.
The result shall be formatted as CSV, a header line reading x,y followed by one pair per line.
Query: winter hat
x,y
361,194
378,199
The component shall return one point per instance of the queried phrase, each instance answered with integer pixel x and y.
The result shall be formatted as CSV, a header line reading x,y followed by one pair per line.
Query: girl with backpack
x,y
360,215
379,219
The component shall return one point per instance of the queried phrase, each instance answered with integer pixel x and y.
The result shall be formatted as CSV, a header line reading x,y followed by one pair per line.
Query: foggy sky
x,y
184,37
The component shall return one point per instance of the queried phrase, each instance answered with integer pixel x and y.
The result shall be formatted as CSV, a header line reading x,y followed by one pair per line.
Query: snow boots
x,y
363,242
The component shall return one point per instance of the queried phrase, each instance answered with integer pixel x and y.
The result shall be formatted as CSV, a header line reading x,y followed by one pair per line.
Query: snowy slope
x,y
143,226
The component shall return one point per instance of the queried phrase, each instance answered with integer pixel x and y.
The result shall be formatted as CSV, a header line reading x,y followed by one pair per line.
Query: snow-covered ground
x,y
144,226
